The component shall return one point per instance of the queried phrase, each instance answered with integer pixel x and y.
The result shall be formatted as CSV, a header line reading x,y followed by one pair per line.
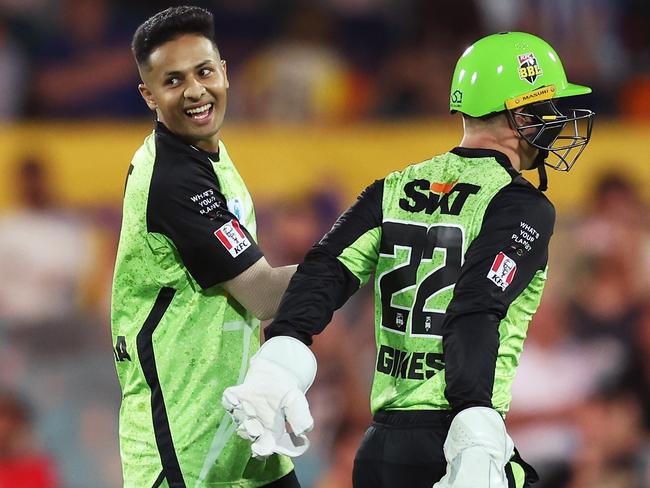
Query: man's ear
x,y
148,96
225,72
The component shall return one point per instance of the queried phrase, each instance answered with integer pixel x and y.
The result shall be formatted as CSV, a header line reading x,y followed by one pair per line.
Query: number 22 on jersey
x,y
421,265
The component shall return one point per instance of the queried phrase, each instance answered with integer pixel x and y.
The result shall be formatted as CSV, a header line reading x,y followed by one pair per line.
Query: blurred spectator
x,y
84,68
610,265
301,77
635,33
557,373
326,60
57,350
413,83
639,371
288,229
634,99
22,465
13,75
614,452
243,26
364,30
414,80
347,441
44,255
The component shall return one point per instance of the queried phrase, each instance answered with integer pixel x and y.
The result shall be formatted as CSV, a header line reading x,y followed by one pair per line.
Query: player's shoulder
x,y
522,194
521,188
179,167
145,155
409,171
436,163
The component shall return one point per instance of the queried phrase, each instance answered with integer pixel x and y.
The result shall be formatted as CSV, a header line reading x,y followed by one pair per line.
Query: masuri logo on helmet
x,y
522,75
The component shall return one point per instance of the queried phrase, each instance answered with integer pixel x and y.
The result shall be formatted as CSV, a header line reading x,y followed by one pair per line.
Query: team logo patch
x,y
529,68
233,238
502,271
457,98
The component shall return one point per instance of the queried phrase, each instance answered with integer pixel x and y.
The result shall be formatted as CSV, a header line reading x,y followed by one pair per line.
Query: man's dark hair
x,y
168,25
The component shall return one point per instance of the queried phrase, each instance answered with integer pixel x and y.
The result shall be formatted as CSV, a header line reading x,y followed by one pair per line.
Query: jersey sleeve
x,y
186,205
511,247
333,269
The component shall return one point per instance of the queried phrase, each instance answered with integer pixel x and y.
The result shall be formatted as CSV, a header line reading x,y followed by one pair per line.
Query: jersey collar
x,y
502,159
162,129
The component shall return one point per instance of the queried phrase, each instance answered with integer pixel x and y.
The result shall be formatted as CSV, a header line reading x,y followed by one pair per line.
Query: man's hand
x,y
477,450
272,396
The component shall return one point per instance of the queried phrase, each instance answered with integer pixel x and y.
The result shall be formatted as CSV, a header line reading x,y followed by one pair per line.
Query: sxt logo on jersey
x,y
449,198
502,271
411,365
233,238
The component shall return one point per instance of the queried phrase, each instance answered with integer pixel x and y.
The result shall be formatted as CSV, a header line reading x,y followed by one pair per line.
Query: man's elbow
x,y
263,312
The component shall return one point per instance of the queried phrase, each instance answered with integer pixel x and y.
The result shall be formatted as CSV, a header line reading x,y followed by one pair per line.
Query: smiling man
x,y
190,282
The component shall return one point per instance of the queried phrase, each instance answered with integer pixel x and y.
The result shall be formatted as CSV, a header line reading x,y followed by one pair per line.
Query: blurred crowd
x,y
324,60
581,408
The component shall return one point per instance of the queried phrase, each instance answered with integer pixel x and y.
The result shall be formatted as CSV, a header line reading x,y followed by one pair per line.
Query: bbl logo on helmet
x,y
529,69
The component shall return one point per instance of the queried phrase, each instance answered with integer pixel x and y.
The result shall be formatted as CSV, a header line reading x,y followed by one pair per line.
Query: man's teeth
x,y
198,110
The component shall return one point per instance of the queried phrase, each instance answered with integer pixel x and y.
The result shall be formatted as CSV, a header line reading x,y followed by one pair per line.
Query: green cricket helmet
x,y
522,75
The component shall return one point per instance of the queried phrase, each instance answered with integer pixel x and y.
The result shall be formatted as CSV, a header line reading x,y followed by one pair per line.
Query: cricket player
x,y
190,281
458,247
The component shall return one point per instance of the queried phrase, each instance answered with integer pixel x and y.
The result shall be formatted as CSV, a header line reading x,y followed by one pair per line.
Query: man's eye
x,y
205,72
172,81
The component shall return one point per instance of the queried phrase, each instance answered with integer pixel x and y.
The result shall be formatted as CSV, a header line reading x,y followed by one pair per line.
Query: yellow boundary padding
x,y
88,162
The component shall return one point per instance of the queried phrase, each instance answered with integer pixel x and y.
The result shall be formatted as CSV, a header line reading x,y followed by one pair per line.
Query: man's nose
x,y
194,90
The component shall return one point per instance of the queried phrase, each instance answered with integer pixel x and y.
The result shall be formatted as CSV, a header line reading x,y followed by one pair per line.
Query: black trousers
x,y
287,481
404,449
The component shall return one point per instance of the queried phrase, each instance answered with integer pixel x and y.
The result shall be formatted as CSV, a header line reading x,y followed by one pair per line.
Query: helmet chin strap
x,y
540,164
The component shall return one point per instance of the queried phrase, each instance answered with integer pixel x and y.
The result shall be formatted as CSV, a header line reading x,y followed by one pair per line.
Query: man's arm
x,y
500,263
333,270
280,373
187,207
260,287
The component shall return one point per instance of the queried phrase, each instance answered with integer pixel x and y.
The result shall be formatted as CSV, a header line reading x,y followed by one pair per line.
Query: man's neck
x,y
486,142
209,145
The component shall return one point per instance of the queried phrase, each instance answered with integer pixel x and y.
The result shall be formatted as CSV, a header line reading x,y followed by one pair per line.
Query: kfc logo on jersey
x,y
502,271
233,238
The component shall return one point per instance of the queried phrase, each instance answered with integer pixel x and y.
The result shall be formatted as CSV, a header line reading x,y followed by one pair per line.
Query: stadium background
x,y
326,95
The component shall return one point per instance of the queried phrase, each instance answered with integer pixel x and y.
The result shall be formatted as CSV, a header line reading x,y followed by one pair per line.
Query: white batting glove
x,y
272,396
477,450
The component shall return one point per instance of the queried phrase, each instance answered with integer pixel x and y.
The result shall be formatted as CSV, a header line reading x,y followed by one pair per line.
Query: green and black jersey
x,y
180,339
458,248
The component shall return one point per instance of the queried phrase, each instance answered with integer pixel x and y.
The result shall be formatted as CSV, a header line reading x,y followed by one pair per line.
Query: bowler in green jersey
x,y
190,283
457,248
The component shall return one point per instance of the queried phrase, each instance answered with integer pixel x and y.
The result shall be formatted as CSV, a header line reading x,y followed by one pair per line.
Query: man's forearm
x,y
260,288
321,286
471,344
